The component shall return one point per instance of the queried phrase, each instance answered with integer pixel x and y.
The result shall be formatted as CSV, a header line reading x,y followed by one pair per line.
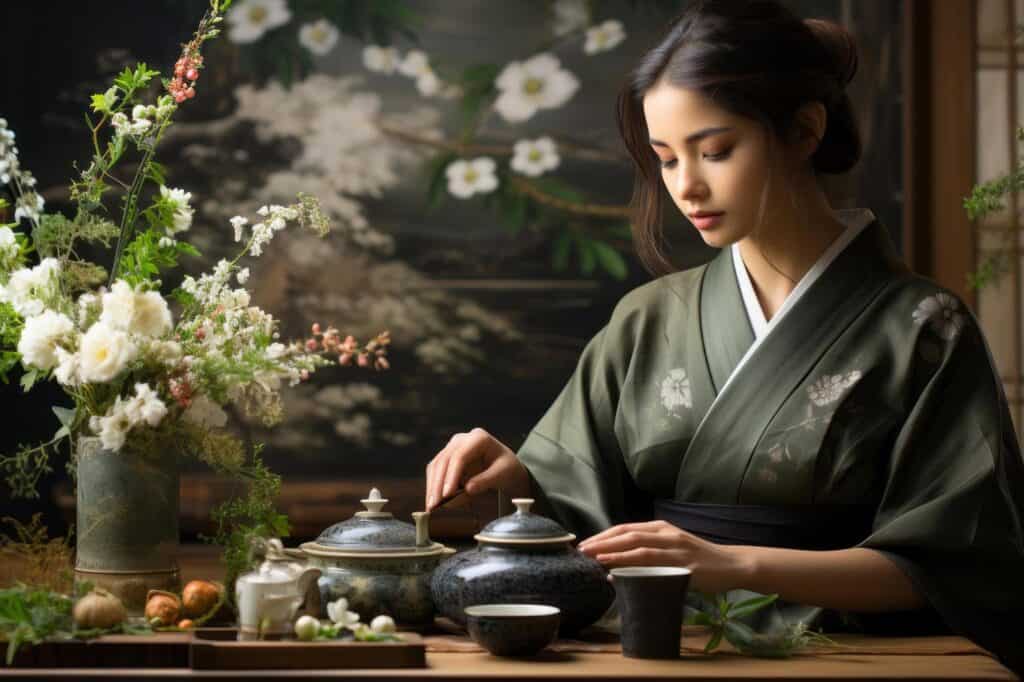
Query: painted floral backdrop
x,y
454,219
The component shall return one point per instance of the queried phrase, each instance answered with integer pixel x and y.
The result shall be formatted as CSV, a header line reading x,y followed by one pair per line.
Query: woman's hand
x,y
716,568
480,462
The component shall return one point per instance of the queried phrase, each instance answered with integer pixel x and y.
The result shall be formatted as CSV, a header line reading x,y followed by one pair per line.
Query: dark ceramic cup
x,y
512,629
650,602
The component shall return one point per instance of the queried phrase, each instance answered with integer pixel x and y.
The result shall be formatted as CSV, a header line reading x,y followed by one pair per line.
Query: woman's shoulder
x,y
662,295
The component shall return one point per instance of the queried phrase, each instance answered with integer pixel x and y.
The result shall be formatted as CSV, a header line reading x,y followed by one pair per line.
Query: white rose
x,y
105,352
152,316
144,313
146,406
67,368
40,337
28,286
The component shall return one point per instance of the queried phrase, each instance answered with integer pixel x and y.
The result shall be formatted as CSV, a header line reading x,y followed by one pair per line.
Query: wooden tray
x,y
219,650
162,650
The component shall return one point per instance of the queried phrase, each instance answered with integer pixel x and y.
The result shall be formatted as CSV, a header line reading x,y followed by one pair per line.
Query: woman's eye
x,y
667,163
719,156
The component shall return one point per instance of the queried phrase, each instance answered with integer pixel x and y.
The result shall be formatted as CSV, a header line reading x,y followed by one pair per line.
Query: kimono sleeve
x,y
950,514
573,457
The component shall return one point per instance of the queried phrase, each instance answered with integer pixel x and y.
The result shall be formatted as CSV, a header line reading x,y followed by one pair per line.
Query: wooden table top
x,y
860,658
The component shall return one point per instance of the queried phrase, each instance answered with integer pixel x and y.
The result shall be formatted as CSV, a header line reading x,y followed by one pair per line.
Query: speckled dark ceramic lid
x,y
372,530
524,527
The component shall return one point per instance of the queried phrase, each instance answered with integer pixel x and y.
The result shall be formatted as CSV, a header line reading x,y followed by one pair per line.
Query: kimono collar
x,y
855,219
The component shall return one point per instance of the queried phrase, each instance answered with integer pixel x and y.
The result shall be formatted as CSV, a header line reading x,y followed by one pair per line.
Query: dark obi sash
x,y
815,527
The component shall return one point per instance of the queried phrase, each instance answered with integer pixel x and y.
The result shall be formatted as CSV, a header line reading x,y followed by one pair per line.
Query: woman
x,y
801,416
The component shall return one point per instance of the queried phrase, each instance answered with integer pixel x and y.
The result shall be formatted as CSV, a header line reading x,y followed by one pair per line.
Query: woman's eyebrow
x,y
694,137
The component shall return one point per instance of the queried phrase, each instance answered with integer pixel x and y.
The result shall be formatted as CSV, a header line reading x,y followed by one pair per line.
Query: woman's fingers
x,y
615,531
630,540
437,470
641,556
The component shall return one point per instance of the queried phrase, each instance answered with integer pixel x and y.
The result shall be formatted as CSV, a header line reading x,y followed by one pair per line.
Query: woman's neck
x,y
785,247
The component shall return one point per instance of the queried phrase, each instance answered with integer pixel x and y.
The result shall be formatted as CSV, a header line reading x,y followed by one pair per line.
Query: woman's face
x,y
712,161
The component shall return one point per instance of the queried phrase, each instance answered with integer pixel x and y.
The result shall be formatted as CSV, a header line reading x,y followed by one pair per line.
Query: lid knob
x,y
522,504
422,519
374,503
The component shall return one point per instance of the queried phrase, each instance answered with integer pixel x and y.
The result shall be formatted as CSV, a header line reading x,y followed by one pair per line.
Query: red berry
x,y
190,93
179,97
192,74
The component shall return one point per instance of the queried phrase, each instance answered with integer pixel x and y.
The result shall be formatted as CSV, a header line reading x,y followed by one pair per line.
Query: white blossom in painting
x,y
381,59
248,20
535,157
942,313
527,87
570,15
319,37
675,390
604,36
469,177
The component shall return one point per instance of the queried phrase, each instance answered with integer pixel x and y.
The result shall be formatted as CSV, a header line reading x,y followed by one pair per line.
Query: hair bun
x,y
840,47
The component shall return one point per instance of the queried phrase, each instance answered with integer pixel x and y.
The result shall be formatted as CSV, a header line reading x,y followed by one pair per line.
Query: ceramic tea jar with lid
x,y
380,564
524,558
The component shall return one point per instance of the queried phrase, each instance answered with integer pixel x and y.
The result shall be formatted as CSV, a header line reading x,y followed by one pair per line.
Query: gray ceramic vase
x,y
379,564
524,558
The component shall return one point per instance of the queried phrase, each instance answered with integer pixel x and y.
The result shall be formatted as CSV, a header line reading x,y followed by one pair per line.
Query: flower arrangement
x,y
147,371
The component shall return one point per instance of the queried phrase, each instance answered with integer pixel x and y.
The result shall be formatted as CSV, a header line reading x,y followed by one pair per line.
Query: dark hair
x,y
753,58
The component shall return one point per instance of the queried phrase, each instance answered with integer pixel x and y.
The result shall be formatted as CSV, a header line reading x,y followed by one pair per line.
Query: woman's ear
x,y
808,129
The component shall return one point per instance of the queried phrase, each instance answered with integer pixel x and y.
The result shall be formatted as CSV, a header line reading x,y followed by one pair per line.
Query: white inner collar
x,y
855,219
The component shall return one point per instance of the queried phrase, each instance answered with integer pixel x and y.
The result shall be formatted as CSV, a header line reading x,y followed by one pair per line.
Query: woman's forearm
x,y
856,579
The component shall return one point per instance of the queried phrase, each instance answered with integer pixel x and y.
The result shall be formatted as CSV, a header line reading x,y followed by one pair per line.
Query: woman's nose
x,y
688,184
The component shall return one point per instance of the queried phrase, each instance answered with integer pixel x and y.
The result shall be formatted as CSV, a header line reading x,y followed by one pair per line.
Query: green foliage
x,y
478,88
30,615
144,258
130,80
437,188
987,198
11,325
56,236
24,468
724,618
240,520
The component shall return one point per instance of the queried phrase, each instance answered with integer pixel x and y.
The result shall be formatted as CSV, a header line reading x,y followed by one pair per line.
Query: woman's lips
x,y
707,221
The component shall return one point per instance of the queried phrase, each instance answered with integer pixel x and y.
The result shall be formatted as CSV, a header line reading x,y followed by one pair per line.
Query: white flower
x,y
121,123
29,205
675,390
428,84
242,276
942,312
166,242
830,388
113,428
466,178
538,83
414,64
27,288
276,350
382,624
165,352
320,37
238,222
104,353
604,37
66,372
9,248
570,15
179,198
248,20
339,614
381,59
40,338
139,312
534,157
145,407
140,111
205,412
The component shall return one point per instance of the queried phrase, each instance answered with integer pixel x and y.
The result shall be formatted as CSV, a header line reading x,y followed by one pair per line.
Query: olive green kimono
x,y
876,391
